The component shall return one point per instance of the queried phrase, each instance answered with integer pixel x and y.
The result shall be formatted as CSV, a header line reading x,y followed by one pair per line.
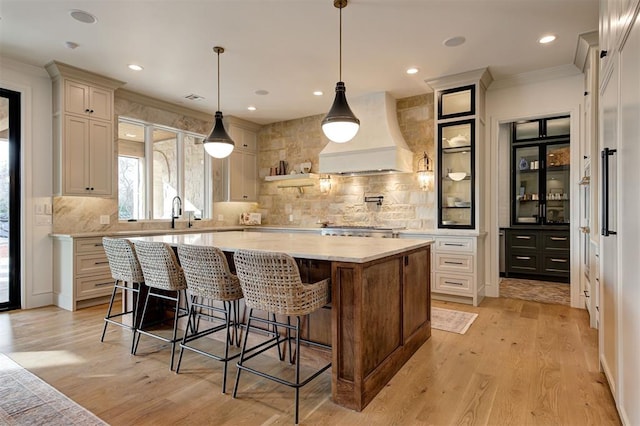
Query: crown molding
x,y
163,105
585,42
58,69
562,71
483,75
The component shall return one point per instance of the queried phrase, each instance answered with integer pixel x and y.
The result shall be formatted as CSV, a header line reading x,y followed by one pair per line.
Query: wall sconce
x,y
425,173
325,184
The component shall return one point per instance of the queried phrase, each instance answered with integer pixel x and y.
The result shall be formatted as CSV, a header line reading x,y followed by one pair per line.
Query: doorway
x,y
10,266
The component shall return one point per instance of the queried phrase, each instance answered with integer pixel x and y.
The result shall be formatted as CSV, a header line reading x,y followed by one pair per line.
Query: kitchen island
x,y
380,297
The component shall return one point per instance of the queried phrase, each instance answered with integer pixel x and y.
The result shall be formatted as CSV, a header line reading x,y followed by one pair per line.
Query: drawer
x,y
556,263
90,287
453,283
522,262
553,240
93,264
89,245
454,262
523,239
458,244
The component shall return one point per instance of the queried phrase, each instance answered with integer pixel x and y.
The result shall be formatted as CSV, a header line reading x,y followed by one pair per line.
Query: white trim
x,y
538,76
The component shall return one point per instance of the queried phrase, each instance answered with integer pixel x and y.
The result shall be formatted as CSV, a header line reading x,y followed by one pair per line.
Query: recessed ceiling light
x,y
82,16
318,93
262,92
412,70
251,108
454,41
70,45
135,67
546,39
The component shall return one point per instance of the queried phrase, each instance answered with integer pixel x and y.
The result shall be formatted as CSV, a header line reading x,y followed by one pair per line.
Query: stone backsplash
x,y
296,141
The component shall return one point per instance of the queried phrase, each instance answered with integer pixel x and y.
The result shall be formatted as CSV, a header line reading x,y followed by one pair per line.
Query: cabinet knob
x,y
603,53
87,110
87,188
92,188
245,145
91,111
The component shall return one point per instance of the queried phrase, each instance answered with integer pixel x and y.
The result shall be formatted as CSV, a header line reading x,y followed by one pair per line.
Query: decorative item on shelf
x,y
325,184
218,144
305,167
425,173
457,176
282,167
340,124
457,141
523,164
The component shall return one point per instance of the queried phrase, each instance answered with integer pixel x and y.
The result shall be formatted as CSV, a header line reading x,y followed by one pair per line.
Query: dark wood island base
x,y
381,317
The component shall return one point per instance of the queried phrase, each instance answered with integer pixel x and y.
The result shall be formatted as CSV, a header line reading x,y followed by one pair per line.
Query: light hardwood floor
x,y
520,363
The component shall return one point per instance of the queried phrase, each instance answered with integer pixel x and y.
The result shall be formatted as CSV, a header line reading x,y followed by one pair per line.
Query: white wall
x,y
36,150
547,93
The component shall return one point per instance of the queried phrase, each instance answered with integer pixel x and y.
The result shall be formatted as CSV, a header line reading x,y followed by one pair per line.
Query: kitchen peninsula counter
x,y
380,297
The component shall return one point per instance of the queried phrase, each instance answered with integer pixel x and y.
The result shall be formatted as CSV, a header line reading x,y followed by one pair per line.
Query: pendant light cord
x,y
218,80
340,62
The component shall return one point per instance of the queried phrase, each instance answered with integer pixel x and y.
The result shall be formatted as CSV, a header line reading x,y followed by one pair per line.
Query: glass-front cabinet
x,y
456,153
541,184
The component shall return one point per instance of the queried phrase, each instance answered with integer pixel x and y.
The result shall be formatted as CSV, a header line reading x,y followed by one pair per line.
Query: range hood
x,y
377,148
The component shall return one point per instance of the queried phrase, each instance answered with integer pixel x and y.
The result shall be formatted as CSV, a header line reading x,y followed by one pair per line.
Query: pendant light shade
x,y
340,124
218,144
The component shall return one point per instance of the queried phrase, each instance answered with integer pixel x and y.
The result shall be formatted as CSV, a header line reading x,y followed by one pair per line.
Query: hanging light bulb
x,y
340,124
218,144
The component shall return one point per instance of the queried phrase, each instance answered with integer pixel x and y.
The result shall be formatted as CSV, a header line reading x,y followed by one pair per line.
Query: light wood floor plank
x,y
520,363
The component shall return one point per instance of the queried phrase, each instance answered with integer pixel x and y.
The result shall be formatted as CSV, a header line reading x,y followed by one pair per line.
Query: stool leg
x,y
297,367
113,295
192,315
275,330
144,312
229,341
175,329
240,361
136,301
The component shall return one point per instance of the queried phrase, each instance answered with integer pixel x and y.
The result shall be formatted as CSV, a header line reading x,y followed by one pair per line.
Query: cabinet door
x,y
456,153
557,183
242,176
76,155
76,97
244,139
100,103
525,186
100,157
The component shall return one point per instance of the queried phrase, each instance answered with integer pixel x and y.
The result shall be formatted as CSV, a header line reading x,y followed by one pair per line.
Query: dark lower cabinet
x,y
537,254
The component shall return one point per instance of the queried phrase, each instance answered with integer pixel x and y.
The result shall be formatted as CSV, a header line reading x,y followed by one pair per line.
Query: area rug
x,y
536,291
450,320
27,400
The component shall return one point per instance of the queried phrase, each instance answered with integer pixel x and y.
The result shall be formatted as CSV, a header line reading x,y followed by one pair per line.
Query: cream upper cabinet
x,y
87,156
84,99
243,173
242,165
83,126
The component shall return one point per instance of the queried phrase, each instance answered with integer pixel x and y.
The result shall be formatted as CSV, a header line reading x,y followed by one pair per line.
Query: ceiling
x,y
289,48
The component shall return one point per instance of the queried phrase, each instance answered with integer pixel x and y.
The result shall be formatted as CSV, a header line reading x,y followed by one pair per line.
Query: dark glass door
x,y
9,199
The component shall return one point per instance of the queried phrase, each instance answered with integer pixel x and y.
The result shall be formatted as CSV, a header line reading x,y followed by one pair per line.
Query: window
x,y
156,163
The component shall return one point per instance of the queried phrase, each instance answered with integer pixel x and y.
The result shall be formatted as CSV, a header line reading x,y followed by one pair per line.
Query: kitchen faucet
x,y
175,211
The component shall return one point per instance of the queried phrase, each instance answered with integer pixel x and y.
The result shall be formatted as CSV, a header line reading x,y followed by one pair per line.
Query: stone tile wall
x,y
296,141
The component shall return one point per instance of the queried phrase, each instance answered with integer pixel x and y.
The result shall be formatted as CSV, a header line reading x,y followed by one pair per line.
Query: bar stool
x,y
210,280
165,280
125,270
271,282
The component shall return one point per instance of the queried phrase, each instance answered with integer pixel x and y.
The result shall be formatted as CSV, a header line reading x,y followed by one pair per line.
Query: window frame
x,y
180,158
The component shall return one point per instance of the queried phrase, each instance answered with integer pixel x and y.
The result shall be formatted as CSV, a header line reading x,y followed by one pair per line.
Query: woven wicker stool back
x,y
271,282
123,260
207,273
160,266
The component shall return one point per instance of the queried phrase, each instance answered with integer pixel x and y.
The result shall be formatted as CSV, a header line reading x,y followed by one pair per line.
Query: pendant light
x,y
218,144
340,124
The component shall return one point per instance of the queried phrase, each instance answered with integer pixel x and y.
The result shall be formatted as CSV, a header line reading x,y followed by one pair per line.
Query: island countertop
x,y
307,246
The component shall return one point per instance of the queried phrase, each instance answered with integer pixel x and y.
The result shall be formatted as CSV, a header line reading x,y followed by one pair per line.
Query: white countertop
x,y
305,246
147,232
